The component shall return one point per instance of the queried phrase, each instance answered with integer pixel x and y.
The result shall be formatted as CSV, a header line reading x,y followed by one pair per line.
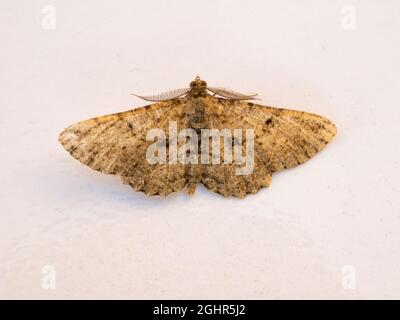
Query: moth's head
x,y
198,87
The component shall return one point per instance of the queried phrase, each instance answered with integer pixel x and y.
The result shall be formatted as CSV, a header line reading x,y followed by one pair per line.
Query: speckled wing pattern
x,y
283,139
116,144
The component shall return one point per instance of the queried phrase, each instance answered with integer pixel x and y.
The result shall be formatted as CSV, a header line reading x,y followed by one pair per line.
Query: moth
x,y
127,143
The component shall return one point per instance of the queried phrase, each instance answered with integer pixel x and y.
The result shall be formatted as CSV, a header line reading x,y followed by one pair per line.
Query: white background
x,y
292,240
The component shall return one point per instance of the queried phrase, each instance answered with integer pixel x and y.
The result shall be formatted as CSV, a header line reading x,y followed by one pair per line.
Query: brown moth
x,y
120,143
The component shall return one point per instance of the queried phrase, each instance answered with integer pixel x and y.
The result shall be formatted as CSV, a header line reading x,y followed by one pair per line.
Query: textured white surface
x,y
289,241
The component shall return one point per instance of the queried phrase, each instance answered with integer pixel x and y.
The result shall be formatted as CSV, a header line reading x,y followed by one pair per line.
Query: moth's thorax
x,y
196,109
198,88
